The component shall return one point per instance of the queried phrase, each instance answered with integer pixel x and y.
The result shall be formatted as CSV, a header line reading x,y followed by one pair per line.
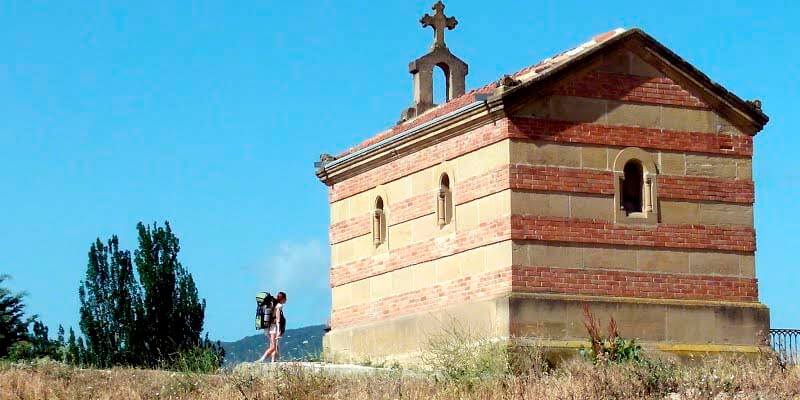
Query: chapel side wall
x,y
694,268
421,268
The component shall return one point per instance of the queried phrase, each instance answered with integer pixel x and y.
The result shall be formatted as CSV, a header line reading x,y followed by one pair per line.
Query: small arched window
x,y
632,187
635,197
444,201
378,223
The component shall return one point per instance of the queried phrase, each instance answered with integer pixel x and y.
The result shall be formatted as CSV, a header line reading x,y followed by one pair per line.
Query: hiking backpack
x,y
265,304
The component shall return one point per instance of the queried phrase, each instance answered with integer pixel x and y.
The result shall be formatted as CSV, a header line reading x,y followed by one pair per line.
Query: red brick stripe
x,y
574,230
548,229
623,87
632,284
349,228
626,136
555,179
458,291
705,189
411,208
478,186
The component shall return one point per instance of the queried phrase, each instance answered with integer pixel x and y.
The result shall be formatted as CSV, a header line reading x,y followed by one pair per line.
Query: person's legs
x,y
271,349
275,353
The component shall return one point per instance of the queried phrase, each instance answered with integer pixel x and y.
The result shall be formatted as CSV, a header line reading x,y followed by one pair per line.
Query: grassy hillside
x,y
297,344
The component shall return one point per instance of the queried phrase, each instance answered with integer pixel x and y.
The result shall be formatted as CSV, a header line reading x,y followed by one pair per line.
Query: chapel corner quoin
x,y
614,174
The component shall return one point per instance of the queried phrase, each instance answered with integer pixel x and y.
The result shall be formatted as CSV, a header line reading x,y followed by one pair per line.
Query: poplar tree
x,y
73,355
173,313
110,305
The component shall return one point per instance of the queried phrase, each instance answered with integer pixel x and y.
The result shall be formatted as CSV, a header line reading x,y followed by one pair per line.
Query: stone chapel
x,y
614,175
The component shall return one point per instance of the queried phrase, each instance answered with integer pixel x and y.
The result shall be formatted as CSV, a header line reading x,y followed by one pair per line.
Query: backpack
x,y
265,304
283,323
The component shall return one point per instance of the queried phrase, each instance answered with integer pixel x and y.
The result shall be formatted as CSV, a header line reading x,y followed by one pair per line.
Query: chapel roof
x,y
546,68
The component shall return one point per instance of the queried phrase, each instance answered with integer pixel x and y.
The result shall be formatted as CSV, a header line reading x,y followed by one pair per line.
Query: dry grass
x,y
758,378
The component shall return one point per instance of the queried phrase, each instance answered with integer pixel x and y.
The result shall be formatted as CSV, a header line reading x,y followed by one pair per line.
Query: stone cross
x,y
438,21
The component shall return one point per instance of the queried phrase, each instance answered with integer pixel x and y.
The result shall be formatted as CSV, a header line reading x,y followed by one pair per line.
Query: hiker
x,y
276,328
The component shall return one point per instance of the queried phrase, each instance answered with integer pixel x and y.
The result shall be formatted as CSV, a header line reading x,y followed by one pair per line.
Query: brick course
x,y
630,136
638,89
534,279
574,230
705,189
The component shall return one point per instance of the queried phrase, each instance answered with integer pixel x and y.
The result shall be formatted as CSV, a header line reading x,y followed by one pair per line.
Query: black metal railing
x,y
786,342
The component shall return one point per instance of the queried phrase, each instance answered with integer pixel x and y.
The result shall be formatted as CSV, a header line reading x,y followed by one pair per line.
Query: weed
x,y
612,348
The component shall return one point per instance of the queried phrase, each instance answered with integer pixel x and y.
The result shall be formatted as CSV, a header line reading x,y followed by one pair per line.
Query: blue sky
x,y
211,116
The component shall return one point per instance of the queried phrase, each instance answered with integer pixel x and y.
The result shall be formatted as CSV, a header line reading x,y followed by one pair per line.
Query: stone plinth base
x,y
555,323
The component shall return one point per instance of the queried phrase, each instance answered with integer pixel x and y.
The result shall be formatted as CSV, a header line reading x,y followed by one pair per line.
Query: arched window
x,y
444,201
378,223
632,187
635,196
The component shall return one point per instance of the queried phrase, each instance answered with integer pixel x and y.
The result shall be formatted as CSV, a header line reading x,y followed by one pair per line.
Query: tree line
x,y
136,309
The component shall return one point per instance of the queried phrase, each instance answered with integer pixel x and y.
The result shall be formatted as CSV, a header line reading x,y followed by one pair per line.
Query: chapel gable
x,y
622,88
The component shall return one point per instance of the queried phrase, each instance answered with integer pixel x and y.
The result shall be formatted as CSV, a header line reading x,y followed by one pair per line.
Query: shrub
x,y
460,355
657,376
527,360
198,359
22,350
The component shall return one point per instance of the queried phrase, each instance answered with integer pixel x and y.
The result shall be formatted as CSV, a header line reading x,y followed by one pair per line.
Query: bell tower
x,y
422,69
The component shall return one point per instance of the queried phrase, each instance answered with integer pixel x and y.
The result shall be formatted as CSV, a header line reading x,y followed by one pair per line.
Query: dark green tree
x,y
173,312
73,356
110,306
13,325
61,344
83,356
60,338
42,346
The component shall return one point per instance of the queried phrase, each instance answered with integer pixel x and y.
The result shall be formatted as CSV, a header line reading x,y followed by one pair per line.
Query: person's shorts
x,y
273,329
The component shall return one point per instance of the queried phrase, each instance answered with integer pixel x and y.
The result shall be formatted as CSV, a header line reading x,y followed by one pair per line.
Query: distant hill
x,y
296,344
